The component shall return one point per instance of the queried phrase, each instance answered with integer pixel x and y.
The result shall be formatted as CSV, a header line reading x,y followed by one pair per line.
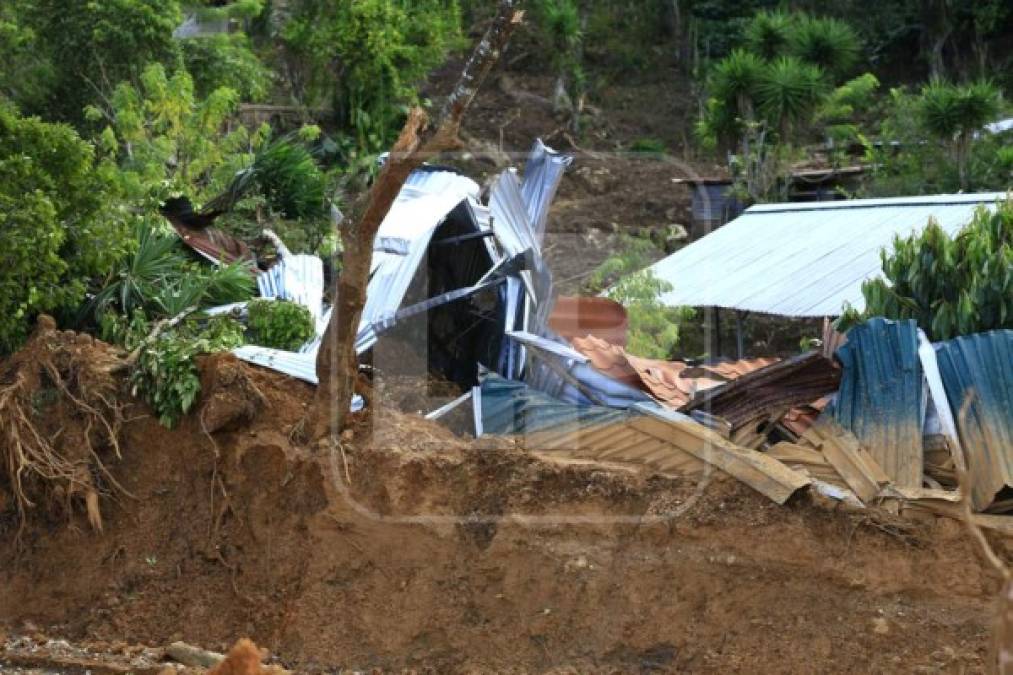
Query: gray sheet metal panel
x,y
509,214
803,259
882,396
421,206
981,366
542,173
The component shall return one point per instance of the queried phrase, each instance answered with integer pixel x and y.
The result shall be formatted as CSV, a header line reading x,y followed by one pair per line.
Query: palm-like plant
x,y
828,43
735,81
954,113
789,91
769,34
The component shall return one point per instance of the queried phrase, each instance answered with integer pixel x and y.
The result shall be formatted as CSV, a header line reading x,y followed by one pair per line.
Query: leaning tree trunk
x,y
337,362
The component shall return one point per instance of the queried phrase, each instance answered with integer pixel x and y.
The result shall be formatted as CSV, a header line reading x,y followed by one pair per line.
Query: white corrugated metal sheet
x,y
803,259
424,202
542,173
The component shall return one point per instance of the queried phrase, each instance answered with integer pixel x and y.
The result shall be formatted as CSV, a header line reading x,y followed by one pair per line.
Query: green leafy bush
x,y
950,285
366,57
165,374
57,230
653,326
92,46
226,60
280,324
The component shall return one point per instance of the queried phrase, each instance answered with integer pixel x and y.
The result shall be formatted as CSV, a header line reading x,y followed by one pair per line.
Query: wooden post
x,y
739,340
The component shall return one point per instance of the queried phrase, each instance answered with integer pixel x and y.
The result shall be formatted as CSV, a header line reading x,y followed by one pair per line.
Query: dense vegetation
x,y
951,285
109,108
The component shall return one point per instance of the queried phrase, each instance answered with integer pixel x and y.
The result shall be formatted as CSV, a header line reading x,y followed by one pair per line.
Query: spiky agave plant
x,y
954,113
135,281
768,34
789,91
828,43
735,81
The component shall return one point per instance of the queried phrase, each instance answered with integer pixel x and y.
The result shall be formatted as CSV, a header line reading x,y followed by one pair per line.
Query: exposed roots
x,y
59,416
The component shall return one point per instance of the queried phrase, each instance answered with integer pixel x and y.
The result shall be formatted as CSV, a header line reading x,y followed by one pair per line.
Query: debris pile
x,y
461,295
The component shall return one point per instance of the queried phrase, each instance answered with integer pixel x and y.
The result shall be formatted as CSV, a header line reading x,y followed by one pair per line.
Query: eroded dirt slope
x,y
451,555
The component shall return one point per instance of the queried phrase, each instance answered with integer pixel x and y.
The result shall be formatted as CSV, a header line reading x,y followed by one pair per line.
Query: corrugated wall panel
x,y
981,367
882,396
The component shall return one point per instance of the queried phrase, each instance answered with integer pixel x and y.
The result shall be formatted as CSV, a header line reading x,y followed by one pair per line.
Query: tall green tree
x,y
366,58
93,46
58,227
955,113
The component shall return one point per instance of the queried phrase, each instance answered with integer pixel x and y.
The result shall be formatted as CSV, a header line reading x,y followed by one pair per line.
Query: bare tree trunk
x,y
337,363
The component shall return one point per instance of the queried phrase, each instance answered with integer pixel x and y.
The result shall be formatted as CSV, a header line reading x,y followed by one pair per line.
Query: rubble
x,y
877,416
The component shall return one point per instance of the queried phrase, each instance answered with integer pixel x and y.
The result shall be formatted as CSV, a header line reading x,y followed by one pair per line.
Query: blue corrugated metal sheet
x,y
511,407
882,396
803,259
981,366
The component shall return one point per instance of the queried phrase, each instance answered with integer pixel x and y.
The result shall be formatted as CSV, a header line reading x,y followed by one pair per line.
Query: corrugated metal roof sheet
x,y
420,207
803,259
674,383
542,173
758,395
511,407
882,397
981,366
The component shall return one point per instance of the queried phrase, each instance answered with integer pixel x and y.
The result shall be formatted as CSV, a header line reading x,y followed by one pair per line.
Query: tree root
x,y
58,380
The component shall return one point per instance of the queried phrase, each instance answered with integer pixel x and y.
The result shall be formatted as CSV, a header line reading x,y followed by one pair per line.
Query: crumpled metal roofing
x,y
423,203
542,173
674,383
981,366
511,407
765,392
299,278
557,369
882,396
803,259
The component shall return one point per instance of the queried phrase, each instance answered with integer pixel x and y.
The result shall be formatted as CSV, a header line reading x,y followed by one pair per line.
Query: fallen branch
x,y
1001,656
159,328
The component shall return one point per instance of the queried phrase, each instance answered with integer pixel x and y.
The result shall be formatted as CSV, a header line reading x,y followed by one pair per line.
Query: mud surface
x,y
412,548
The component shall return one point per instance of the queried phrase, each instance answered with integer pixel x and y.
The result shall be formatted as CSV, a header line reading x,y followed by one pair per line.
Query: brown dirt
x,y
459,556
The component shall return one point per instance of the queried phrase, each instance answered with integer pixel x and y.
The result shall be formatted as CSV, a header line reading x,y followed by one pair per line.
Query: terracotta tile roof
x,y
674,383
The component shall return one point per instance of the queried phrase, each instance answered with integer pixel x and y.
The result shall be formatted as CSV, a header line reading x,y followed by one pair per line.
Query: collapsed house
x,y
879,416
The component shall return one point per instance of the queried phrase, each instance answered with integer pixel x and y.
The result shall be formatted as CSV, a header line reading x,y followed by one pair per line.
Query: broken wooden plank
x,y
764,474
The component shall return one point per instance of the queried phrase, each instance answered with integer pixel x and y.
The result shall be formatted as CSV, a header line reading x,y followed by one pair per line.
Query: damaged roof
x,y
803,259
674,383
771,390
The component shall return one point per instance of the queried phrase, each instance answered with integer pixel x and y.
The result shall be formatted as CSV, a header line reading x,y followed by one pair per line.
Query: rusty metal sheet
x,y
674,383
770,390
